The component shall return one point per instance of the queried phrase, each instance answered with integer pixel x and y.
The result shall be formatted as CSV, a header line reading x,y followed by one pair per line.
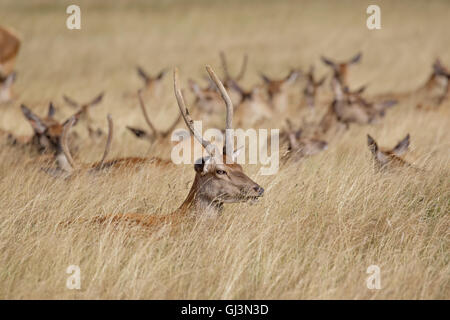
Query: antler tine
x,y
243,68
187,118
224,64
144,112
64,137
229,120
108,141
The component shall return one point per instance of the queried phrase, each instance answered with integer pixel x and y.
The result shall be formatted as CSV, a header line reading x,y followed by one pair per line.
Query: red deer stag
x,y
218,179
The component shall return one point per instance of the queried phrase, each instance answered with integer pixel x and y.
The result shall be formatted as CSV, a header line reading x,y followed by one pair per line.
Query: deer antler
x,y
144,112
229,120
243,68
223,59
187,118
108,141
225,67
64,145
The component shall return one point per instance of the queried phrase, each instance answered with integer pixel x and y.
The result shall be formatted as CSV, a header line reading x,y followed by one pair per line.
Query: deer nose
x,y
259,190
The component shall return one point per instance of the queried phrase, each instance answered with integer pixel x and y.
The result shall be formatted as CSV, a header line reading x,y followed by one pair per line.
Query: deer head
x,y
84,112
252,106
389,157
66,166
218,179
277,89
47,130
340,68
311,87
300,145
152,84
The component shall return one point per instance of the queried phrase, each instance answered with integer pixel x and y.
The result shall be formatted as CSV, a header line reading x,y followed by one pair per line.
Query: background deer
x,y
84,112
229,80
47,130
218,179
312,85
9,49
340,69
389,158
277,90
436,90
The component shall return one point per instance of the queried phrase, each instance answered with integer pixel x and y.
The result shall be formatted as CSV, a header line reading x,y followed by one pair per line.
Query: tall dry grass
x,y
321,222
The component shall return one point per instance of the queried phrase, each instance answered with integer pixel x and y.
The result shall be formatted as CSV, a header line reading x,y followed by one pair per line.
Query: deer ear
x,y
161,74
328,62
141,134
292,76
265,78
372,145
143,74
203,165
36,122
97,99
355,59
402,146
51,110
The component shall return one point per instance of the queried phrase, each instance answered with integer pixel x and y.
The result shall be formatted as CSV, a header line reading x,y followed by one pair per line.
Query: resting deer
x,y
252,106
84,112
389,158
310,91
300,145
156,135
350,107
47,130
152,84
9,49
277,90
67,167
207,100
340,69
436,90
218,179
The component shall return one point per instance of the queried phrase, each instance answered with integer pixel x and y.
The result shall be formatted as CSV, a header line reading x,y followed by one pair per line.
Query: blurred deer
x,y
436,90
47,130
389,158
300,145
310,91
277,90
207,99
340,69
84,112
350,107
152,85
155,135
218,179
9,49
252,106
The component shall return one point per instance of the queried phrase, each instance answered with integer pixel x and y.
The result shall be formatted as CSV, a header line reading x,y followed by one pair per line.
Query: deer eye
x,y
221,172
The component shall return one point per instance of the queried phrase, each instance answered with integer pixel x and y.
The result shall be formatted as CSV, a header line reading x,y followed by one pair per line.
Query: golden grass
x,y
321,222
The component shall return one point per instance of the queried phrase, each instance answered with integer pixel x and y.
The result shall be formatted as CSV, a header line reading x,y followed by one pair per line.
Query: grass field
x,y
322,221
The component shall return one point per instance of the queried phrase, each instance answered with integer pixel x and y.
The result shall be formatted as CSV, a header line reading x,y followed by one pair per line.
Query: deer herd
x,y
219,179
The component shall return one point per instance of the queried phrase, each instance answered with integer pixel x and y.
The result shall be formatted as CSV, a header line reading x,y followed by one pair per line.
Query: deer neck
x,y
196,203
